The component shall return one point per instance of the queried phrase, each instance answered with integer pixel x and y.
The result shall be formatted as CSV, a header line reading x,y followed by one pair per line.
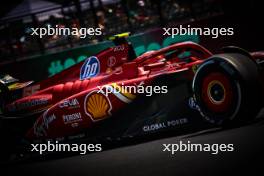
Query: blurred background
x,y
113,16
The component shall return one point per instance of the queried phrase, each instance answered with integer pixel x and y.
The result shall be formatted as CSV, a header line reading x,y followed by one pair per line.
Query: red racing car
x,y
116,94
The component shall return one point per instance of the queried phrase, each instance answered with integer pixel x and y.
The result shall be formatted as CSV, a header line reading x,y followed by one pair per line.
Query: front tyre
x,y
227,89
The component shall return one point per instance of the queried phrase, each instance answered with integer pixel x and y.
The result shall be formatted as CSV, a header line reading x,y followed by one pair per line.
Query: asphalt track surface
x,y
148,158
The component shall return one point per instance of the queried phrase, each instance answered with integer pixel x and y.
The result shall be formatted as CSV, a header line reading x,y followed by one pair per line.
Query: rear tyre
x,y
4,96
227,89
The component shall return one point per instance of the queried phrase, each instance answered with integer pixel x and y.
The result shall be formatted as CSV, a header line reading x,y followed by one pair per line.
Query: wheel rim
x,y
217,93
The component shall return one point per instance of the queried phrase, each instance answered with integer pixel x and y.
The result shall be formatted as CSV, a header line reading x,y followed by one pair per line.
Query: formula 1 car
x,y
117,94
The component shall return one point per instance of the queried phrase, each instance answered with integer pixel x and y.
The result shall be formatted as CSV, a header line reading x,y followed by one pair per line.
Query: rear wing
x,y
9,83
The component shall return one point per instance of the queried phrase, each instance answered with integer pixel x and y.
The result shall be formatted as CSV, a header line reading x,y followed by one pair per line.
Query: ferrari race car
x,y
117,94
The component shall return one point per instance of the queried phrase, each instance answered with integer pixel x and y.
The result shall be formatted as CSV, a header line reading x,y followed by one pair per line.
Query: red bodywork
x,y
64,104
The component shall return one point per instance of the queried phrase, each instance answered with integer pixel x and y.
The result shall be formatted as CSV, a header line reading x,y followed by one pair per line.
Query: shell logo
x,y
97,106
